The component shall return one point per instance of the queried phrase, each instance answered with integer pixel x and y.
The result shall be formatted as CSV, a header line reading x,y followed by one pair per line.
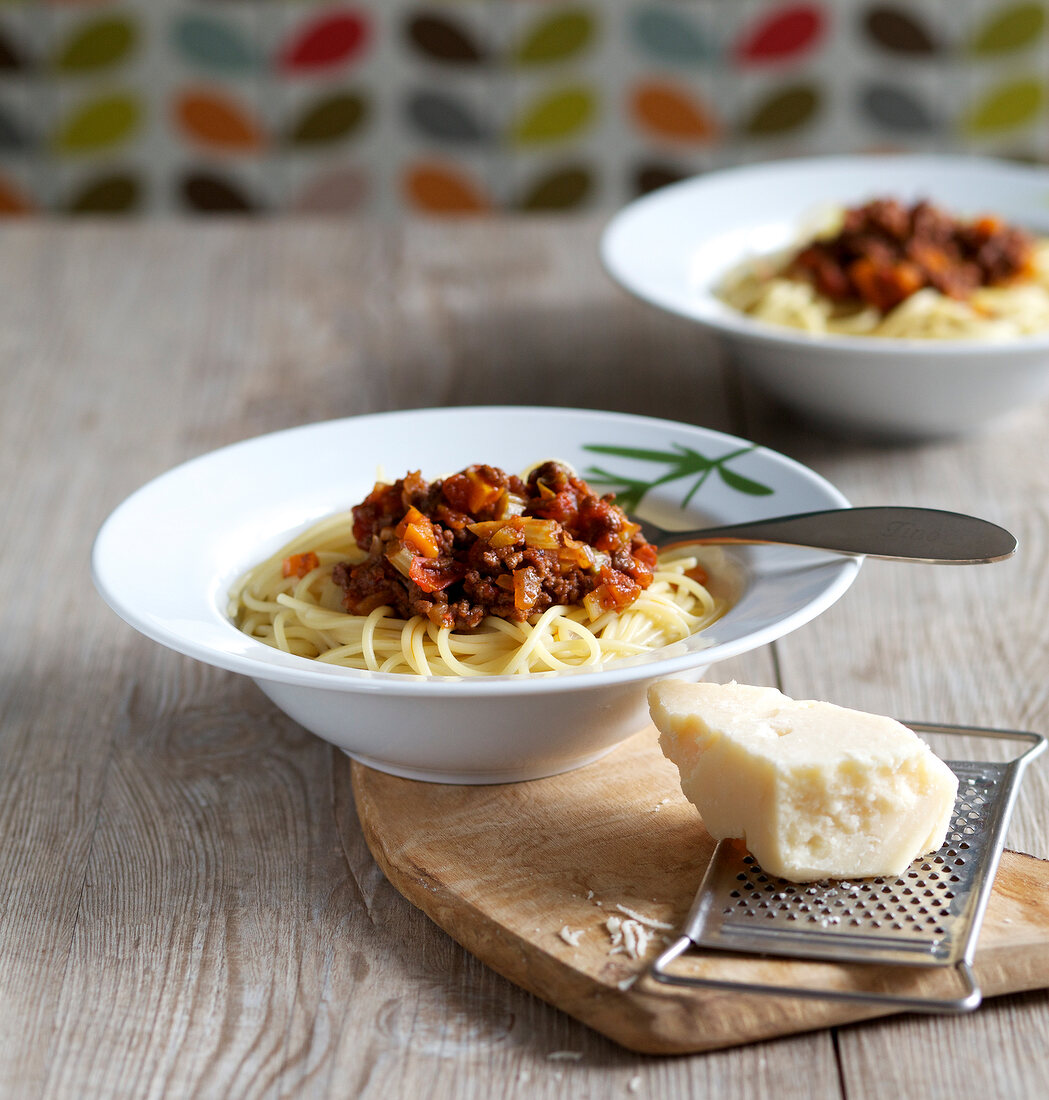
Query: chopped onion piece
x,y
401,560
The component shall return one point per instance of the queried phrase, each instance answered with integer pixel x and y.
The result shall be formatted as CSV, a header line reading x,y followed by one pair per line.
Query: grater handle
x,y
969,1000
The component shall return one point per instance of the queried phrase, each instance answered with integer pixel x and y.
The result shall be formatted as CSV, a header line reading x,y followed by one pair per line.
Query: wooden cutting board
x,y
503,869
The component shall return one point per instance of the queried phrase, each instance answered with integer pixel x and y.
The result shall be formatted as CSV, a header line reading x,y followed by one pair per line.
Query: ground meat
x,y
885,251
483,542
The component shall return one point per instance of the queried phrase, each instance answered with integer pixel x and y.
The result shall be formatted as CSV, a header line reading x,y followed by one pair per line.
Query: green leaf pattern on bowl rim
x,y
680,462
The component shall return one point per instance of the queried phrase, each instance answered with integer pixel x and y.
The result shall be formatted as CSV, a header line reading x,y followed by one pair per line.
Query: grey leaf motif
x,y
14,136
445,118
897,109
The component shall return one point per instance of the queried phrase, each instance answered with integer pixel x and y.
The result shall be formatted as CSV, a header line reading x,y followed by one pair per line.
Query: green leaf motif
x,y
100,124
556,116
787,109
333,118
120,193
556,38
629,491
1008,30
1006,107
641,455
100,44
681,462
565,189
743,484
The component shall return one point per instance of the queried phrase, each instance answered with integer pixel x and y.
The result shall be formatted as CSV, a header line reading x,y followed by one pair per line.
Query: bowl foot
x,y
503,775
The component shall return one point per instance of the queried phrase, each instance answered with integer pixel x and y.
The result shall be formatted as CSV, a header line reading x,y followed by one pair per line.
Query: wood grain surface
x,y
186,911
506,870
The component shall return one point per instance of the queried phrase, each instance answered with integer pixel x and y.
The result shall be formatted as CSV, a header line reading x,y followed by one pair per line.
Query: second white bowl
x,y
673,248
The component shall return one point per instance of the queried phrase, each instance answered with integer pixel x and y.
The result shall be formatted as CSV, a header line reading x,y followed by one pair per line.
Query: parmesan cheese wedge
x,y
814,790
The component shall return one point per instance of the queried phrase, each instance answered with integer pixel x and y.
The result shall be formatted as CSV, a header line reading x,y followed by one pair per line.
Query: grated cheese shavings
x,y
571,936
650,922
629,937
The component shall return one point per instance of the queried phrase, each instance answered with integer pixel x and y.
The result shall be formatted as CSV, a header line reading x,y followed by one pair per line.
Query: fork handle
x,y
888,532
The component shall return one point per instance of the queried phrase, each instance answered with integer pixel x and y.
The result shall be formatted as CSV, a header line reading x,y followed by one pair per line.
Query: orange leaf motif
x,y
436,189
214,120
11,200
669,112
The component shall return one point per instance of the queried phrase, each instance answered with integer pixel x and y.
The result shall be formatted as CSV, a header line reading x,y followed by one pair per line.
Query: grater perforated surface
x,y
914,918
928,917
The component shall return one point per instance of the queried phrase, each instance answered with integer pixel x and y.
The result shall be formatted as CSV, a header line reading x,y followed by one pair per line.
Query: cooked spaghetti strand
x,y
303,616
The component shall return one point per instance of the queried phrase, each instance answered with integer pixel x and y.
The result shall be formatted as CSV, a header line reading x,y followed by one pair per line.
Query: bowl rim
x,y
264,663
709,310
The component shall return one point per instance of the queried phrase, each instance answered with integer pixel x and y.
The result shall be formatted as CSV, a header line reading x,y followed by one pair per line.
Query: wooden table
x,y
181,914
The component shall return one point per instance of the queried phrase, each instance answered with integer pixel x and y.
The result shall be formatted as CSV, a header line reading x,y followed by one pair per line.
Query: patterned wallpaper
x,y
163,106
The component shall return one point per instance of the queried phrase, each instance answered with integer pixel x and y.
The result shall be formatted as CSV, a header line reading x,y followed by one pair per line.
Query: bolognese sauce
x,y
886,251
483,542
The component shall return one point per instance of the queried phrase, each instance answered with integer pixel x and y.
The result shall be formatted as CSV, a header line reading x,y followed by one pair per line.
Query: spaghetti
x,y
317,596
884,270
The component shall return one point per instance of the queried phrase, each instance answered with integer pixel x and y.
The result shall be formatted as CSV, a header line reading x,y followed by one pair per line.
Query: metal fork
x,y
892,533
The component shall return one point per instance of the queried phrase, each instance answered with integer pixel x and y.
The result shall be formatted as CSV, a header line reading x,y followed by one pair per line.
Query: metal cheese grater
x,y
928,917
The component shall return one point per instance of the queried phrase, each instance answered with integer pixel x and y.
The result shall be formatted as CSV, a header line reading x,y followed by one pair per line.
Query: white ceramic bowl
x,y
166,557
672,248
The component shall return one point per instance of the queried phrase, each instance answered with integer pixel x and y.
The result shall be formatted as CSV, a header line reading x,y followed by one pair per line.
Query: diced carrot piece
x,y
298,565
931,257
413,515
421,538
417,532
526,588
987,226
481,493
884,287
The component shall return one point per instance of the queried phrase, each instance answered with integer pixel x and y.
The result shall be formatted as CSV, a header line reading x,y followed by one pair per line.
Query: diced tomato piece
x,y
432,576
298,565
562,506
456,490
646,554
698,574
617,590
